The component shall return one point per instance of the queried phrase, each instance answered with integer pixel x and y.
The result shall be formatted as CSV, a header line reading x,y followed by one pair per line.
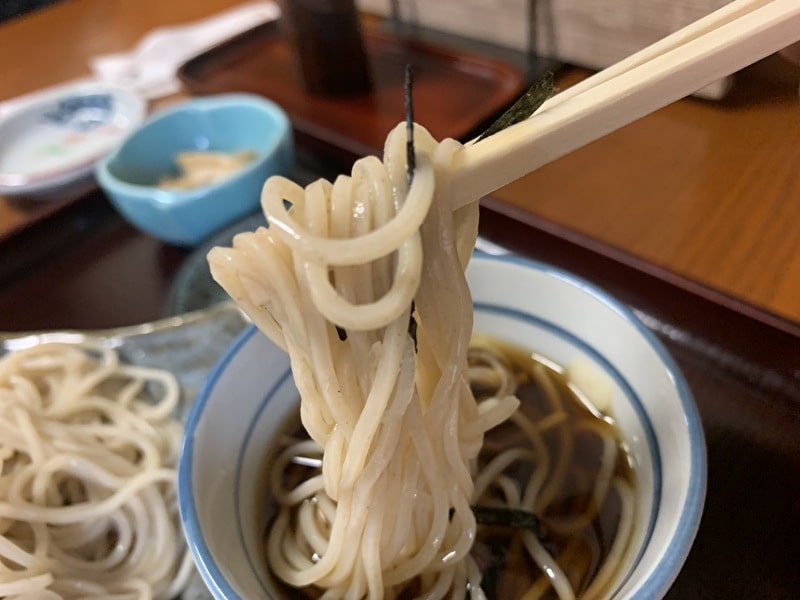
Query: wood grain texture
x,y
55,44
708,190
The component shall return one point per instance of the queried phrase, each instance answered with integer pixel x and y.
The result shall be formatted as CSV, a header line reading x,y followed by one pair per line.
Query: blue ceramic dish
x,y
224,123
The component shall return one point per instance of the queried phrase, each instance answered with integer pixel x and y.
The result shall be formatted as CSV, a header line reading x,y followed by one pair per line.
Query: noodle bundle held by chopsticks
x,y
397,425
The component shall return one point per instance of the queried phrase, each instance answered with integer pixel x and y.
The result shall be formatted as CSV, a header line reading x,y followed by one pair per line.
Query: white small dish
x,y
53,142
250,393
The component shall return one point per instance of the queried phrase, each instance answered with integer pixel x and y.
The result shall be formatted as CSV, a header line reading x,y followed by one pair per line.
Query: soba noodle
x,y
548,440
362,283
87,486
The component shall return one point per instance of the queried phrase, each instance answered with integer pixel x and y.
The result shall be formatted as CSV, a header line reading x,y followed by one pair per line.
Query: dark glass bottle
x,y
328,48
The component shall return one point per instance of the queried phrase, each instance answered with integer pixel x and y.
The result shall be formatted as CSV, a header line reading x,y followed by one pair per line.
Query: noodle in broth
x,y
559,460
554,458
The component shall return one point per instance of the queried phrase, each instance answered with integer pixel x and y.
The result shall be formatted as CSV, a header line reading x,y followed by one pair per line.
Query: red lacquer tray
x,y
455,92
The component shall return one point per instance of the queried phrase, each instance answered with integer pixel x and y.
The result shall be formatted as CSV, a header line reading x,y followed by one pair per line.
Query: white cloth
x,y
150,69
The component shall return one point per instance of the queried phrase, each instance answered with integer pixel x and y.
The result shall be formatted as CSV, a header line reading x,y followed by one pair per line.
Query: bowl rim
x,y
677,547
187,508
145,193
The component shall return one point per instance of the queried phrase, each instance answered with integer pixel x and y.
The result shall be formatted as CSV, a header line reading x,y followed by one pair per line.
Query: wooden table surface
x,y
698,194
710,191
55,45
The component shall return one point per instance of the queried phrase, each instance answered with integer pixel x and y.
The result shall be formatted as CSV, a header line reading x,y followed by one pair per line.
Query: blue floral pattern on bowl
x,y
82,113
54,142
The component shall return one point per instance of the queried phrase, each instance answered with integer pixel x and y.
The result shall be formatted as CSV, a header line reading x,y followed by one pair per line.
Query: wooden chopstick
x,y
726,41
710,22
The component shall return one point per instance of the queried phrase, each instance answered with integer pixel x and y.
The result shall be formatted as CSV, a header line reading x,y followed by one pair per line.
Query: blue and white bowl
x,y
250,394
53,142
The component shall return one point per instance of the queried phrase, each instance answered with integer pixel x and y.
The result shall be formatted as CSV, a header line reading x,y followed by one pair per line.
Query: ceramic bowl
x,y
223,123
250,393
53,142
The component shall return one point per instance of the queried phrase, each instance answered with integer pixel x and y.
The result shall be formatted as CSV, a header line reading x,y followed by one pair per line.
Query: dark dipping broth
x,y
576,531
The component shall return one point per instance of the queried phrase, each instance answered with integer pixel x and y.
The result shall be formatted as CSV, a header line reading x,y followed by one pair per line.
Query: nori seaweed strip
x,y
524,107
508,517
411,164
342,333
411,160
412,326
